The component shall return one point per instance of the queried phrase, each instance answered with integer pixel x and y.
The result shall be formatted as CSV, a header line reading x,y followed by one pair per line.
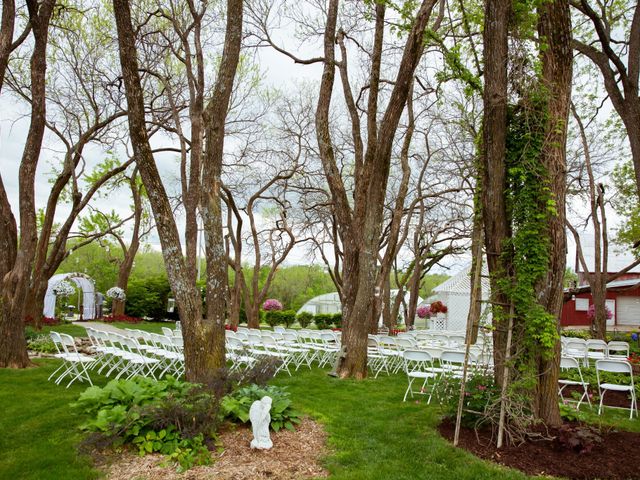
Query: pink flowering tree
x,y
591,313
271,304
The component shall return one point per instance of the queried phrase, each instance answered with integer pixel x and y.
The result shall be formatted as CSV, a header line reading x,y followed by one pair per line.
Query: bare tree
x,y
204,338
612,44
359,220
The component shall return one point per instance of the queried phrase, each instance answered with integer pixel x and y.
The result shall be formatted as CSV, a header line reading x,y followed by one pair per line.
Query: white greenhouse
x,y
455,293
330,303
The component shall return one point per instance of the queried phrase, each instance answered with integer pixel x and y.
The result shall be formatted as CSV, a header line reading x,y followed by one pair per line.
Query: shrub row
x,y
289,317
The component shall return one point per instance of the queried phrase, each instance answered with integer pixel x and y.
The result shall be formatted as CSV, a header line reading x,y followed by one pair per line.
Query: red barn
x,y
623,299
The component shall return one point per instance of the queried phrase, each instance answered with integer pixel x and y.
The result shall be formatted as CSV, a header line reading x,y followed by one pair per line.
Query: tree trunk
x,y
475,300
187,295
252,310
599,322
15,284
557,61
494,134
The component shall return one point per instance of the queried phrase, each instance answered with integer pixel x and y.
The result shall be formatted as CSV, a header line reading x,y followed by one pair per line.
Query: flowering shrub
x,y
48,321
634,358
424,311
480,394
271,304
438,307
116,293
591,313
231,327
120,318
63,289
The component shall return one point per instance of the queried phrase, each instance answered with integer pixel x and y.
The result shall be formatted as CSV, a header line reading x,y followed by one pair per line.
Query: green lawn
x,y
39,434
372,433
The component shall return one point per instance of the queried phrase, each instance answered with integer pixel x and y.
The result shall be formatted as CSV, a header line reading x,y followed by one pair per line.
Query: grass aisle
x,y
374,435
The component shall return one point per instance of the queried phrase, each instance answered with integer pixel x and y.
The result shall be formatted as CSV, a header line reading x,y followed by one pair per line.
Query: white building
x,y
455,293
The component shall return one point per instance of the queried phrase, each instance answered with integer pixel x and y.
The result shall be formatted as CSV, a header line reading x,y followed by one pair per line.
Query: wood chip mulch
x,y
613,459
295,455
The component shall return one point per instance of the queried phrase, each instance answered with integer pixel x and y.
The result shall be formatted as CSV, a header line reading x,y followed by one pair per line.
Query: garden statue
x,y
260,417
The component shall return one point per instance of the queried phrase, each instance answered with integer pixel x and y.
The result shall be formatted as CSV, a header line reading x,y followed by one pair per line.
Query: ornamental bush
x,y
481,395
288,317
337,320
236,405
273,317
323,320
304,319
166,416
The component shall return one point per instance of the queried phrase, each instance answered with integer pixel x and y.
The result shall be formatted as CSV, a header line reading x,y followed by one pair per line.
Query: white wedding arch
x,y
84,282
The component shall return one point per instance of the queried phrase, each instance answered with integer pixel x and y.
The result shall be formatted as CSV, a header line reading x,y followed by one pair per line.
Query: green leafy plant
x,y
337,320
480,393
273,317
168,416
236,406
323,320
569,413
304,319
42,344
288,317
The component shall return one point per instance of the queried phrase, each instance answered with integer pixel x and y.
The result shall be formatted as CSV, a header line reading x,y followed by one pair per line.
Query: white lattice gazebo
x,y
84,282
455,293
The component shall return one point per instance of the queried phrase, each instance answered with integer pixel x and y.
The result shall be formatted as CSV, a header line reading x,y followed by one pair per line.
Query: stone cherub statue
x,y
260,417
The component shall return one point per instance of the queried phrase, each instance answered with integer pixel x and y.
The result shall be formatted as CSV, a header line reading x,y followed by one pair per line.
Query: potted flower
x,y
271,304
62,290
438,307
117,296
424,311
634,360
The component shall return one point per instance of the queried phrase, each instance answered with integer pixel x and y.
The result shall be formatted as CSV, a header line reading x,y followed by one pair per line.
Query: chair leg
x,y
408,390
602,392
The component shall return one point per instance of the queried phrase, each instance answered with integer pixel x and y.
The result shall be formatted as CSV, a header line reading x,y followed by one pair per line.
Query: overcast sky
x,y
279,72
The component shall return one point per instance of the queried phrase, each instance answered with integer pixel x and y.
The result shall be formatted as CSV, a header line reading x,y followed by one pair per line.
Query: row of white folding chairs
x,y
445,338
292,349
586,350
420,365
386,353
74,365
137,352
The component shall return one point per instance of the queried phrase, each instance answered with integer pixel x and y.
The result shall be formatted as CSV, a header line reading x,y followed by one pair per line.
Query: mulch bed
x,y
611,398
613,459
295,455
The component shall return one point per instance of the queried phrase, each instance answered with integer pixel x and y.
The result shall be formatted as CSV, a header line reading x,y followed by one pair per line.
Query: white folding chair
x,y
616,366
617,350
576,348
74,364
596,350
419,365
570,363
